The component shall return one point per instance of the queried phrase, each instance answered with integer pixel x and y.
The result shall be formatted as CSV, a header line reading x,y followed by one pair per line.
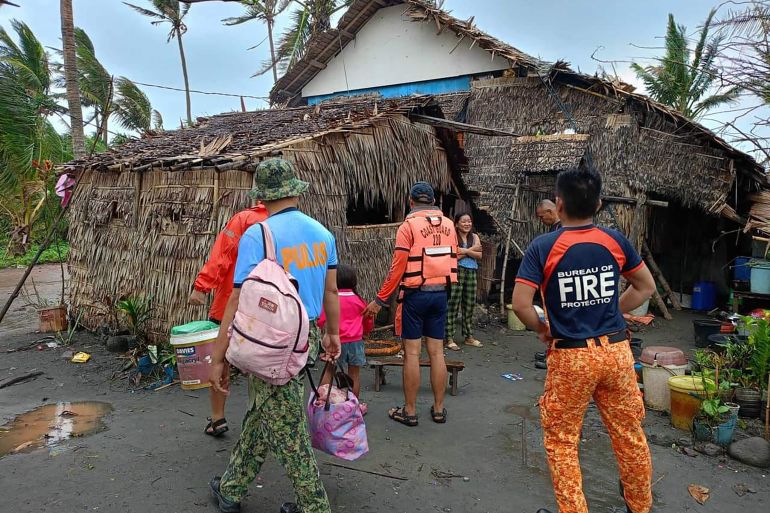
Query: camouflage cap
x,y
275,179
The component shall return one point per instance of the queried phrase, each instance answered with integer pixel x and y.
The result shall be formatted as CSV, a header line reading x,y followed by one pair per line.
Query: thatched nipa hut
x,y
145,214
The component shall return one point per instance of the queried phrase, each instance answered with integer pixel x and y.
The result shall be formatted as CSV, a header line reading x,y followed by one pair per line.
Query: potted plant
x,y
716,418
756,362
52,314
137,311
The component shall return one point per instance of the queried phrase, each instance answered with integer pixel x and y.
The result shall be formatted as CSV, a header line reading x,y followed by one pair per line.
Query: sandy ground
x,y
154,456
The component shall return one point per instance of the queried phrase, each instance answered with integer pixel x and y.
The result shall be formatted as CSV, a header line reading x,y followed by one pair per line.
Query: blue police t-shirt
x,y
304,248
577,271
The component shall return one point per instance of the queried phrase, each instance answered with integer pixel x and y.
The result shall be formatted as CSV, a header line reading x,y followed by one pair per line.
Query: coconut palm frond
x,y
132,107
157,121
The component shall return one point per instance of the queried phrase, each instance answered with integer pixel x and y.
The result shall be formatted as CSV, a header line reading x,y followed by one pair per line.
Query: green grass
x,y
50,255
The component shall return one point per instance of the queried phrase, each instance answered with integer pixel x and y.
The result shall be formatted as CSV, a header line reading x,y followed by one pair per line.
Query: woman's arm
x,y
475,251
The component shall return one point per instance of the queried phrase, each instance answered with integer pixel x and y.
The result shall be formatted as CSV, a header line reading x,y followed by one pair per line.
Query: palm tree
x,y
312,17
96,85
71,79
132,107
171,12
683,79
28,141
266,11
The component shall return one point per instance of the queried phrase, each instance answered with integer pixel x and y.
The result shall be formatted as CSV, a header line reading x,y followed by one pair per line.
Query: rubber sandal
x,y
400,416
218,428
473,342
451,345
438,418
364,408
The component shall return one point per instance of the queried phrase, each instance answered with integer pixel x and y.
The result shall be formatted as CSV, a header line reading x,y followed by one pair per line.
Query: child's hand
x,y
372,309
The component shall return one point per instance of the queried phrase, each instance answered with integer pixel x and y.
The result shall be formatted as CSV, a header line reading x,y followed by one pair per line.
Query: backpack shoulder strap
x,y
268,242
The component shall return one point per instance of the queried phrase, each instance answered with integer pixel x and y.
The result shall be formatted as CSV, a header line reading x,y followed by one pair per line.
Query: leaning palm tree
x,y
28,141
266,11
171,12
132,107
71,79
682,78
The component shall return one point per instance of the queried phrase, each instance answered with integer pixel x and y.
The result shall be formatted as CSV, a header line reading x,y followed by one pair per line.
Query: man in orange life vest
x,y
577,271
217,275
424,267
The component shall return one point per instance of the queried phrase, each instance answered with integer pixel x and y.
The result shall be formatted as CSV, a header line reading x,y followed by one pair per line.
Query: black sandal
x,y
400,416
438,418
218,428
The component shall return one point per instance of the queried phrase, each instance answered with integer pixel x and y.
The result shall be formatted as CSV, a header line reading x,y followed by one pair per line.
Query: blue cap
x,y
422,192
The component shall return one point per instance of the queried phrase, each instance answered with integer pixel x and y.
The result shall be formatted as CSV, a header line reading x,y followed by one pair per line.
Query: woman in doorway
x,y
463,292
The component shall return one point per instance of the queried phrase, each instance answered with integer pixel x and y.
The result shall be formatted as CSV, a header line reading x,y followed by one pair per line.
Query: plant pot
x,y
53,319
721,435
750,401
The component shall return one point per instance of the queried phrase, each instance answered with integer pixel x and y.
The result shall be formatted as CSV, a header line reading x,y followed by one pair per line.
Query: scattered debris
x,y
709,449
20,379
167,385
741,489
512,377
440,474
80,357
67,355
186,413
689,451
699,493
381,474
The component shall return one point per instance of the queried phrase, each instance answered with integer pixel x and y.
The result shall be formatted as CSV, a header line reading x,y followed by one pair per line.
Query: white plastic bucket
x,y
642,310
657,394
514,323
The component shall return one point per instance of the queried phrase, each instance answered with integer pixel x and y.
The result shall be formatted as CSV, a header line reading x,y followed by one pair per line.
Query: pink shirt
x,y
353,324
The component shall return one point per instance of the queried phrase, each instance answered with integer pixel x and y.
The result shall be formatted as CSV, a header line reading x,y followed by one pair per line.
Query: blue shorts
x,y
353,353
423,314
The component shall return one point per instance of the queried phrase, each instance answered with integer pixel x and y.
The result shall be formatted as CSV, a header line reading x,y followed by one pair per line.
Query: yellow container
x,y
514,324
687,392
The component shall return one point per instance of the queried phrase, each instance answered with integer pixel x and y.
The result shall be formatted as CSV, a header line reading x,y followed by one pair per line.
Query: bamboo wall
x,y
148,234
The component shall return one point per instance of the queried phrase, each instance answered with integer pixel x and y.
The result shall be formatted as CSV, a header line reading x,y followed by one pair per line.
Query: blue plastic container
x,y
704,296
760,276
741,269
720,435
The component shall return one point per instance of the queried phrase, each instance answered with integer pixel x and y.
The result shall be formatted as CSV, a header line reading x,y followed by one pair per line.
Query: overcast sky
x,y
218,59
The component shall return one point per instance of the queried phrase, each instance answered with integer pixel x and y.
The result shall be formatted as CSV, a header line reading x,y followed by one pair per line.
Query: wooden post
x,y
659,276
635,236
514,204
767,412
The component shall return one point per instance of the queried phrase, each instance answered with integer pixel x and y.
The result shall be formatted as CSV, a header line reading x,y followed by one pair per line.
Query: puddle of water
x,y
51,424
525,411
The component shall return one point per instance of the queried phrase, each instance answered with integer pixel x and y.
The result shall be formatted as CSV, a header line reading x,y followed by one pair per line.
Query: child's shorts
x,y
353,353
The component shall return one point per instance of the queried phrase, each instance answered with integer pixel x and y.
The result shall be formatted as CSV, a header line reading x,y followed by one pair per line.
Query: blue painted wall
x,y
439,86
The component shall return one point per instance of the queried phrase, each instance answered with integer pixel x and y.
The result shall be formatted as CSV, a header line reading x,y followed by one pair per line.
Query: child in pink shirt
x,y
353,327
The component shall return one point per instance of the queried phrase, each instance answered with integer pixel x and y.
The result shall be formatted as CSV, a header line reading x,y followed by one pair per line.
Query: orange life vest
x,y
433,253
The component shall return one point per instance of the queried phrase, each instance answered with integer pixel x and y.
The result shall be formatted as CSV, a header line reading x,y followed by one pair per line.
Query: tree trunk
x,y
270,23
71,79
186,80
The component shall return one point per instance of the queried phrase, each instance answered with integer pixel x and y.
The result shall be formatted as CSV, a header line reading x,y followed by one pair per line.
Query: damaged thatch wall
x,y
639,152
147,233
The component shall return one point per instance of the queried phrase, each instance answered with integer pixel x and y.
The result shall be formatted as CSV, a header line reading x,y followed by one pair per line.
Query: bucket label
x,y
185,351
191,382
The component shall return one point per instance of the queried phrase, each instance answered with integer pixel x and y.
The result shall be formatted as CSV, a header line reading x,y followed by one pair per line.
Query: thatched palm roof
x,y
233,140
324,46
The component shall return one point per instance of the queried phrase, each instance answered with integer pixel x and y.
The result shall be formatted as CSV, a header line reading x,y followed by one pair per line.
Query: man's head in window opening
x,y
546,212
578,194
421,195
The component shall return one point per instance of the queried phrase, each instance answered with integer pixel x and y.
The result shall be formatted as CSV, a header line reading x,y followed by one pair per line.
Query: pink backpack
x,y
269,334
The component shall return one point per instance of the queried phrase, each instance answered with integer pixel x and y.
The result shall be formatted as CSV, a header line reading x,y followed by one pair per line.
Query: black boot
x,y
225,505
290,507
543,511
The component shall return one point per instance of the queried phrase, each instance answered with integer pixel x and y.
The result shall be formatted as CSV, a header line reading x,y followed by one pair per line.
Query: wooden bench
x,y
378,364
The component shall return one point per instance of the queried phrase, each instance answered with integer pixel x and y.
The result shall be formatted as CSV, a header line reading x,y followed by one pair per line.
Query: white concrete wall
x,y
391,49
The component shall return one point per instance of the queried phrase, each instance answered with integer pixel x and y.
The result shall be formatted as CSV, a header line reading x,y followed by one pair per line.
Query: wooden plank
x,y
460,127
605,199
399,362
317,64
653,265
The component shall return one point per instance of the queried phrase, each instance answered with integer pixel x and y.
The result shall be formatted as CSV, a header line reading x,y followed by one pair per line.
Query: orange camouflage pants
x,y
605,372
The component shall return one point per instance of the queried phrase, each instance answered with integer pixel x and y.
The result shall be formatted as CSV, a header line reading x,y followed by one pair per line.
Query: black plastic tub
x,y
721,339
703,329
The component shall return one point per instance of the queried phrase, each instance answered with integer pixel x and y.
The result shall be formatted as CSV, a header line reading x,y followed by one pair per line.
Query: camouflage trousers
x,y
605,372
276,423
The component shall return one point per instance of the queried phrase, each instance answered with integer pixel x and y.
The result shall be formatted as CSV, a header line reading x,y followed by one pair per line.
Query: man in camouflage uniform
x,y
275,422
